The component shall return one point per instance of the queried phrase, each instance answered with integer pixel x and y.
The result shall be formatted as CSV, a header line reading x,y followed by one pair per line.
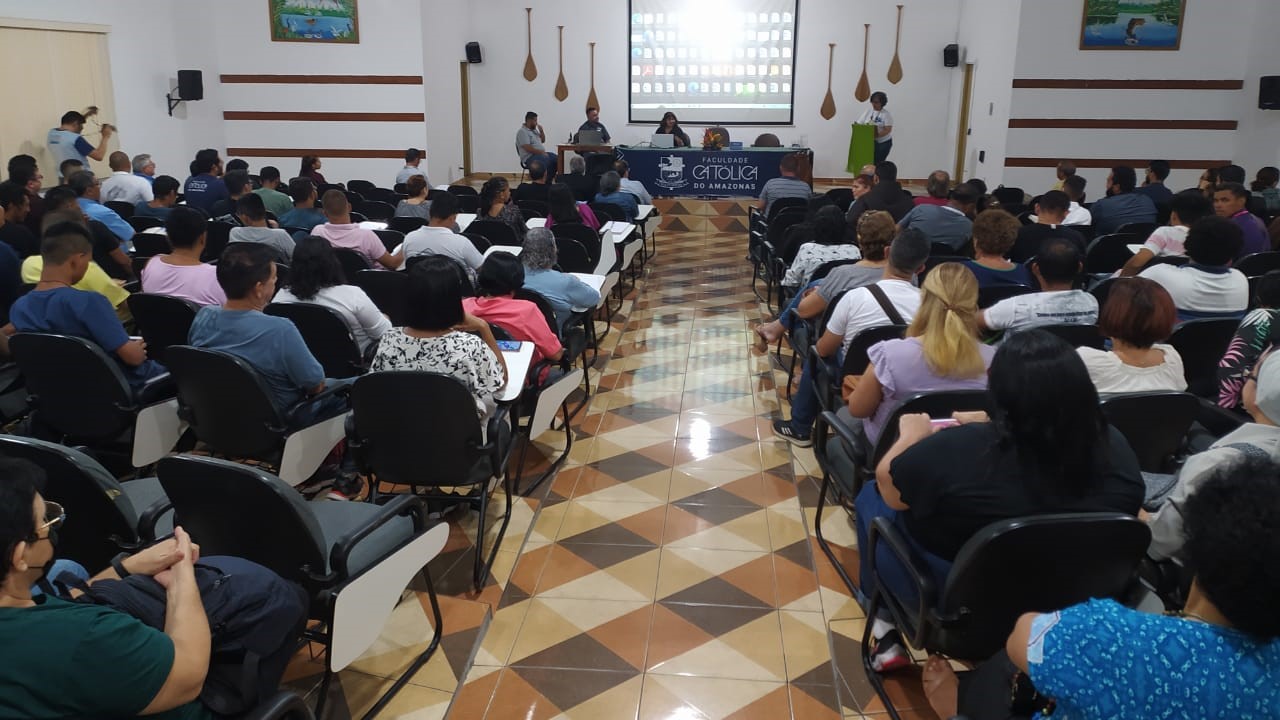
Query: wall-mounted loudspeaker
x,y
951,55
190,85
473,52
1269,92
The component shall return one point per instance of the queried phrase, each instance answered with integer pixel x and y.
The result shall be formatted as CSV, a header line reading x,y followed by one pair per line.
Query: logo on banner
x,y
671,172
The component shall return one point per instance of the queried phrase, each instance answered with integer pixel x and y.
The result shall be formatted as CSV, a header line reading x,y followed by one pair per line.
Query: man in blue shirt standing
x,y
1121,205
66,143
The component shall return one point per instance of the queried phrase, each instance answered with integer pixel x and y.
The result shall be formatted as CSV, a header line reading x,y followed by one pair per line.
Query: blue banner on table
x,y
706,173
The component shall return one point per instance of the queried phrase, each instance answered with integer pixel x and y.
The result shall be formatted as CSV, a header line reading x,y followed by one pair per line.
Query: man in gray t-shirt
x,y
529,144
253,213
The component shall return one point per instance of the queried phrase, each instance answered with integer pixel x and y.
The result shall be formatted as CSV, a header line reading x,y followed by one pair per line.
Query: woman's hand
x,y
915,427
471,323
966,418
850,384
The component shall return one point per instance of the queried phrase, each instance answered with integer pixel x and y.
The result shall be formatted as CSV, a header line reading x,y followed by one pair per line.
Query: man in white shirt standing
x,y
1055,269
412,159
860,309
123,185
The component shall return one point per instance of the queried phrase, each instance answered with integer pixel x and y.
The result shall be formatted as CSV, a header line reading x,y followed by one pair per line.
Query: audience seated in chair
x,y
1047,448
787,185
940,352
412,167
205,187
1252,338
947,224
495,204
564,291
1153,183
1058,303
271,345
88,190
563,208
860,309
252,214
180,273
1051,212
95,278
416,205
1230,200
994,232
1122,205
341,232
1137,316
1208,286
304,214
164,197
277,202
886,194
238,185
439,336
315,276
123,185
1186,208
438,237
937,189
108,252
635,187
55,306
500,276
583,185
14,232
611,192
829,239
875,233
25,172
1077,214
537,187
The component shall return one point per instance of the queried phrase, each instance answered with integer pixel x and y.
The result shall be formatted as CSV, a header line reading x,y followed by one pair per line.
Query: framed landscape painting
x,y
1132,24
326,21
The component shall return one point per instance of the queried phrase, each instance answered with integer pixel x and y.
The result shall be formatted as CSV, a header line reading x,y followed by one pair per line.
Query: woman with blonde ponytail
x,y
940,352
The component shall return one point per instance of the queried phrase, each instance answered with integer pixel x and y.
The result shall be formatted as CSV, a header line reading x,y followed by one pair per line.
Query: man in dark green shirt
x,y
60,659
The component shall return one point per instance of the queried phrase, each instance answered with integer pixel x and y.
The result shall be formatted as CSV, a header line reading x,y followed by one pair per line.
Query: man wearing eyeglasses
x,y
62,659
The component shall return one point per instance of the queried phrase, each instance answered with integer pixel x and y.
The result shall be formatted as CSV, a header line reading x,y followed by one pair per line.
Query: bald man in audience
x,y
342,233
123,185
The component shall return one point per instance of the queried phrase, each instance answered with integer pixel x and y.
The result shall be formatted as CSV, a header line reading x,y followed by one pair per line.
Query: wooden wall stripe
x,y
1055,84
1123,124
1048,162
324,153
325,116
323,79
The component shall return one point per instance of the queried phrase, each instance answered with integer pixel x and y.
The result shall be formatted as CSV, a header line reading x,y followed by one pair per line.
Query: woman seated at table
x,y
499,277
1047,448
416,205
563,208
439,337
564,291
671,126
495,204
940,352
315,276
994,233
1138,314
829,238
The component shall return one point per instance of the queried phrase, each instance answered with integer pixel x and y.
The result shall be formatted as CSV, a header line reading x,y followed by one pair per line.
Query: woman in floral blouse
x,y
1252,338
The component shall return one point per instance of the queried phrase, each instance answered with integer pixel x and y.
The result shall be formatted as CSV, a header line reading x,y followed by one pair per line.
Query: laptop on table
x,y
663,140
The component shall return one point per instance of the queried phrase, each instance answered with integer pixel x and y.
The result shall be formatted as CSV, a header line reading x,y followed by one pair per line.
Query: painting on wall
x,y
326,21
1132,24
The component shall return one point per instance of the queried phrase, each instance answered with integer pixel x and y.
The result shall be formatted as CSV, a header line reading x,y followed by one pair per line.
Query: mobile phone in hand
x,y
509,345
940,423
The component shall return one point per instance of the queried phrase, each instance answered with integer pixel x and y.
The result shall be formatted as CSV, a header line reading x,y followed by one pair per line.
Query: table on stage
x,y
561,150
704,173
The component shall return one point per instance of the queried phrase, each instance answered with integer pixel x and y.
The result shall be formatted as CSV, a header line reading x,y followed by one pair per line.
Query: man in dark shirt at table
x,y
1122,205
1154,187
537,187
1051,210
593,123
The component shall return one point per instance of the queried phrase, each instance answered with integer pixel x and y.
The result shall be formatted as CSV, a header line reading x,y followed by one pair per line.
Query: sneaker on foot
x,y
783,429
890,653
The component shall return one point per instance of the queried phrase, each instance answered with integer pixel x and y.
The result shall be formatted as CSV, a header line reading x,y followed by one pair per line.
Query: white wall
x,y
985,36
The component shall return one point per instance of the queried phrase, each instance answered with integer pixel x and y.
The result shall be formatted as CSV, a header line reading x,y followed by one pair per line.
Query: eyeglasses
x,y
54,516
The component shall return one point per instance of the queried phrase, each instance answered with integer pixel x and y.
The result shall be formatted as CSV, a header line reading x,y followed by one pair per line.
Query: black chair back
x,y
376,210
357,217
326,334
825,269
388,290
607,211
360,186
1042,563
122,208
583,236
73,387
390,197
495,231
145,222
405,224
246,512
463,190
163,321
992,294
1007,196
215,240
401,417
1202,343
391,239
1141,230
468,203
537,207
97,508
855,358
1154,423
787,203
943,250
354,198
1258,263
1109,253
226,402
571,256
1077,335
352,262
149,244
936,260
479,242
938,404
842,197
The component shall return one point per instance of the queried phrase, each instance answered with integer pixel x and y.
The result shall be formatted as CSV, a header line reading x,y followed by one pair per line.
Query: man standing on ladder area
x,y
66,143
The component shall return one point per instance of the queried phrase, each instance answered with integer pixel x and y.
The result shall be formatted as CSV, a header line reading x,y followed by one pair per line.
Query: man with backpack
x,y
84,657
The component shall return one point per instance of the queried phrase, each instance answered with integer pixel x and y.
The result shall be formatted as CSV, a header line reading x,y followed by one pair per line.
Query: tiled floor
x,y
668,570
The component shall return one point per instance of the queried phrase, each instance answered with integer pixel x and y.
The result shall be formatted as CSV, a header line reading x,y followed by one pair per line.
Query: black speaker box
x,y
1269,92
473,52
951,55
190,85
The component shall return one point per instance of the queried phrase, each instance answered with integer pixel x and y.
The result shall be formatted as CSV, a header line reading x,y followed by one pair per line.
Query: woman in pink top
x,y
563,208
500,276
180,273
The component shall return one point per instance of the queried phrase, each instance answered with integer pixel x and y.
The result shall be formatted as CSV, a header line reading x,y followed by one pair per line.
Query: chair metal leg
x,y
568,445
877,683
324,690
822,541
438,622
485,565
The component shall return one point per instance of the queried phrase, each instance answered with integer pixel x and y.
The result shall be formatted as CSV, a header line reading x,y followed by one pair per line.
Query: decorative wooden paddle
x,y
592,101
895,67
530,69
562,87
862,92
828,110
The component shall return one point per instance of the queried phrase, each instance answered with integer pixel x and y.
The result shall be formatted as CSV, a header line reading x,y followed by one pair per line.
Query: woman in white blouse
x,y
316,277
883,121
1138,314
829,238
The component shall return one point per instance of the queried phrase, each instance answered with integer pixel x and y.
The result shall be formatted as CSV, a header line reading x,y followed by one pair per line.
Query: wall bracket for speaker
x,y
173,101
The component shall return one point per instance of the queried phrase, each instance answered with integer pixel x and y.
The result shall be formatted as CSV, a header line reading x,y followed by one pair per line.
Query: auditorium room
x,y
640,359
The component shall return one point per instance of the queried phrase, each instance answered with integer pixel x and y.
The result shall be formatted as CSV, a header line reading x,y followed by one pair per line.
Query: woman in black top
x,y
671,126
1046,448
